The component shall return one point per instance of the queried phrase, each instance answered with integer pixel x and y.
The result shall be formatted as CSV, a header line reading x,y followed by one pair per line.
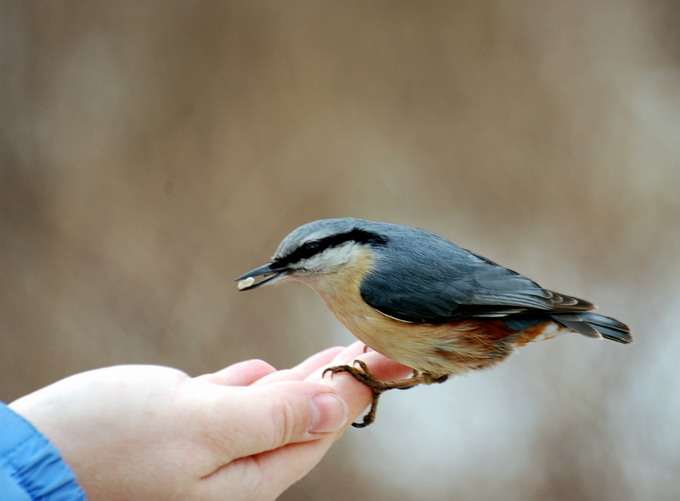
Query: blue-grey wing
x,y
434,281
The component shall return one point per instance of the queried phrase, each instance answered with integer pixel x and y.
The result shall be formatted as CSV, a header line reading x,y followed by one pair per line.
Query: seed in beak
x,y
245,283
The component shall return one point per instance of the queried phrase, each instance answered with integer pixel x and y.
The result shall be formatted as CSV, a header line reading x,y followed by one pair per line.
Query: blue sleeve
x,y
31,468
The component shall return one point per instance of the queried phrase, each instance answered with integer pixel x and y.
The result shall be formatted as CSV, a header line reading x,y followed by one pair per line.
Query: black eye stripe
x,y
309,249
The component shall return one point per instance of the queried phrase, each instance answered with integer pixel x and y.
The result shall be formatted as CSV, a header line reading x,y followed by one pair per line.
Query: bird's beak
x,y
270,273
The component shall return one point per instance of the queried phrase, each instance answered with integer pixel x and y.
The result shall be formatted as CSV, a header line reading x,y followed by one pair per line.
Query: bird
x,y
422,301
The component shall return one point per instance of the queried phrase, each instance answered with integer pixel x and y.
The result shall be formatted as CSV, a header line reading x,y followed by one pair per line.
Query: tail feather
x,y
595,325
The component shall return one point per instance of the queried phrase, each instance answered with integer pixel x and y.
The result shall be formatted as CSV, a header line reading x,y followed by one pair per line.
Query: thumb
x,y
263,418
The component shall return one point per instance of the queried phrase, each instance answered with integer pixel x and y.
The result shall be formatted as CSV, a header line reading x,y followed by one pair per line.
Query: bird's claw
x,y
359,371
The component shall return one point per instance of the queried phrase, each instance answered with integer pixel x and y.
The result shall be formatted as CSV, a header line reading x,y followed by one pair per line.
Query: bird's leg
x,y
364,376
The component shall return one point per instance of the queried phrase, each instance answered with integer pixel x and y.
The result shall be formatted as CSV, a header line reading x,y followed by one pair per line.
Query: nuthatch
x,y
422,301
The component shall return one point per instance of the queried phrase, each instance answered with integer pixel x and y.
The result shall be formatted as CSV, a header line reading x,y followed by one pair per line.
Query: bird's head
x,y
317,248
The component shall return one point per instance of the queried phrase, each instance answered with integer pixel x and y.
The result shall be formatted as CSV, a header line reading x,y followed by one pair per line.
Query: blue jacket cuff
x,y
30,466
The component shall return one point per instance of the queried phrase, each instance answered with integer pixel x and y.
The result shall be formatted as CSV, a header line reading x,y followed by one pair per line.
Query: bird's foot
x,y
360,372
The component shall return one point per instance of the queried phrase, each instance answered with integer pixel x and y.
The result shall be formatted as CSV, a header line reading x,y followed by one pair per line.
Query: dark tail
x,y
594,325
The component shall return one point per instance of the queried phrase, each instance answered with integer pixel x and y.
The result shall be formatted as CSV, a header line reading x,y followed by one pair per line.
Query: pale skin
x,y
245,432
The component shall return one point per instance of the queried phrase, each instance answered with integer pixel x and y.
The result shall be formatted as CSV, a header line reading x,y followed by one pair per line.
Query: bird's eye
x,y
311,246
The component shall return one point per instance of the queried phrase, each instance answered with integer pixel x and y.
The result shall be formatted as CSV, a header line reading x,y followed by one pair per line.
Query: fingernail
x,y
329,413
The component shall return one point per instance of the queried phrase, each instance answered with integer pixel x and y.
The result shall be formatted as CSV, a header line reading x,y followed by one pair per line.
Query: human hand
x,y
244,432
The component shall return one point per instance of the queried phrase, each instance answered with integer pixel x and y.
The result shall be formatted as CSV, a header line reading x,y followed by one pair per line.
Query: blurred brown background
x,y
152,151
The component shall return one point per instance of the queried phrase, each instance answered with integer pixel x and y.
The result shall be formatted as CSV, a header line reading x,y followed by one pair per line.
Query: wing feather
x,y
437,281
